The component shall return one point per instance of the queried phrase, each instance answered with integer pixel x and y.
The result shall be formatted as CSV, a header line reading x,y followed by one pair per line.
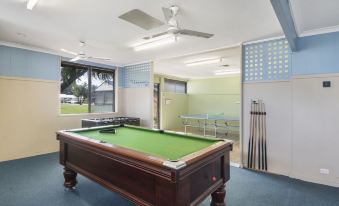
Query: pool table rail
x,y
70,135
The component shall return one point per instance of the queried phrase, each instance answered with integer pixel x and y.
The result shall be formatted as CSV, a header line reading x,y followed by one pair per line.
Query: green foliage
x,y
69,75
80,91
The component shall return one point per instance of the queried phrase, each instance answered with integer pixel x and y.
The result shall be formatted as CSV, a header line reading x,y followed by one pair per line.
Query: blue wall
x,y
316,54
16,62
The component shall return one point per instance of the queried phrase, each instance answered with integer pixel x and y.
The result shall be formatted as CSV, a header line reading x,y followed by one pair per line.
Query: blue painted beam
x,y
283,12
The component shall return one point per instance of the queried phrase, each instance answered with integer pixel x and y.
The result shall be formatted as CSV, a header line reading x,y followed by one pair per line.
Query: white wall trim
x,y
263,40
266,82
325,30
29,79
310,76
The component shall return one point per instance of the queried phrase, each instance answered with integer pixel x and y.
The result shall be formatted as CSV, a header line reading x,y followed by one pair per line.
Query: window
x,y
175,86
86,89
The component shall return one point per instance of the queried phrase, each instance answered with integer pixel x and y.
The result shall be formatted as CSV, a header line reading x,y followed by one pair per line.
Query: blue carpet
x,y
38,181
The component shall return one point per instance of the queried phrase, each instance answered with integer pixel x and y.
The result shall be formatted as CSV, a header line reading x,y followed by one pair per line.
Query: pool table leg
x,y
70,178
218,197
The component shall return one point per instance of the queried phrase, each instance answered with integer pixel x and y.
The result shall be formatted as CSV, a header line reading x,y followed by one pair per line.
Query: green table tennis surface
x,y
169,146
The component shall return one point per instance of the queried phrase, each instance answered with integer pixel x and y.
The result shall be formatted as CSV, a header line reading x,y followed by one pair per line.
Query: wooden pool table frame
x,y
144,179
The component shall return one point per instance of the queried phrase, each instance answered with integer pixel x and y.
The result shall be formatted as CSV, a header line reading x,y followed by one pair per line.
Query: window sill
x,y
87,114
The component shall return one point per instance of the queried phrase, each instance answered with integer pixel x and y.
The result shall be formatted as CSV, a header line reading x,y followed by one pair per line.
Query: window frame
x,y
89,69
176,82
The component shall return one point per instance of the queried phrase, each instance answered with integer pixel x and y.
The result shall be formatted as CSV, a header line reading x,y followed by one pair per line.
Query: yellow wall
x,y
214,96
169,113
29,117
204,96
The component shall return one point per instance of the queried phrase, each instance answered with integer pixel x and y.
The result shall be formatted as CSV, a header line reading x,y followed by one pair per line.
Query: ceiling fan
x,y
82,55
173,25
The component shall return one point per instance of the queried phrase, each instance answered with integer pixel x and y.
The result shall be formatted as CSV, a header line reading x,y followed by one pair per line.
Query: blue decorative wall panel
x,y
135,76
15,62
267,61
318,54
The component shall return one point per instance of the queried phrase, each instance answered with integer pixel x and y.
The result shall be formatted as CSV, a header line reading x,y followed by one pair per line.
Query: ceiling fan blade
x,y
194,33
100,58
167,13
155,35
141,19
69,52
75,59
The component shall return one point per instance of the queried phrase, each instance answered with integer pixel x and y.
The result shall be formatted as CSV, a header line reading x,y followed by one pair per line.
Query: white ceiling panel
x,y
56,24
177,67
315,16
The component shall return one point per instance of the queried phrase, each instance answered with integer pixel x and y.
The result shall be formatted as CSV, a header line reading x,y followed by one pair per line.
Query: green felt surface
x,y
165,145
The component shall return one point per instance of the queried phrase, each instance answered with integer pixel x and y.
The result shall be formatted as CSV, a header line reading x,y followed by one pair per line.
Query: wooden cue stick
x,y
265,137
260,135
252,137
255,135
249,151
262,141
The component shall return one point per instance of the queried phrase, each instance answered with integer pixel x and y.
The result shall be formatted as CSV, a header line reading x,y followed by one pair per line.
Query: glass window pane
x,y
175,86
169,85
102,91
180,87
74,90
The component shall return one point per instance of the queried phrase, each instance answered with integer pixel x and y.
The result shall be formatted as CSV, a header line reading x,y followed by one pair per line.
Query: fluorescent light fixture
x,y
31,4
155,42
226,72
203,62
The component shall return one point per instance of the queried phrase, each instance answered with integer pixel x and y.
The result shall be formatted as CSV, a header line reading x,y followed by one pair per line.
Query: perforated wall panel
x,y
135,76
267,61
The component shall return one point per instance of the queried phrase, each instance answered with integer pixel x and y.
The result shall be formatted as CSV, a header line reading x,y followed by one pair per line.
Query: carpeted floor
x,y
38,181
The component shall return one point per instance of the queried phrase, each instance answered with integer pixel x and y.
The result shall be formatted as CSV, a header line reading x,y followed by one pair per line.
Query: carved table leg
x,y
70,178
218,197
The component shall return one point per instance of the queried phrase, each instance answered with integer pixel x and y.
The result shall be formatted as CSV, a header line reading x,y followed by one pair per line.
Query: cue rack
x,y
257,146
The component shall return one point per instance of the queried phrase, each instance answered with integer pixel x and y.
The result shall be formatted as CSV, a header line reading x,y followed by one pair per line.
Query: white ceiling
x,y
177,67
315,16
56,24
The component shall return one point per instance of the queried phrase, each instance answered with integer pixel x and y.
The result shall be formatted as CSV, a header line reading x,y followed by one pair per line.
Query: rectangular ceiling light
x,y
31,4
226,72
153,43
203,62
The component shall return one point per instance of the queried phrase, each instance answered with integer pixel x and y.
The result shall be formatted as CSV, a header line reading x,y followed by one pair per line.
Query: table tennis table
x,y
205,121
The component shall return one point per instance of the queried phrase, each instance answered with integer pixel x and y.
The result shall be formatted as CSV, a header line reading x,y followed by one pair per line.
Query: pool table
x,y
148,167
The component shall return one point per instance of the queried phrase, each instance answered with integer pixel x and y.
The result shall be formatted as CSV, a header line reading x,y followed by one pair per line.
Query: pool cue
x,y
263,131
255,134
264,137
259,134
252,141
249,151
